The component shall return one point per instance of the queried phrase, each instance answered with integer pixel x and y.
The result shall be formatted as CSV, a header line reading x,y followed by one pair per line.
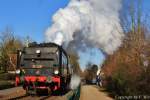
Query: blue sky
x,y
29,17
33,17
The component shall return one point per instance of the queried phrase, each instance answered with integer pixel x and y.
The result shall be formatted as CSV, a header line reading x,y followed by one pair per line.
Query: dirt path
x,y
89,92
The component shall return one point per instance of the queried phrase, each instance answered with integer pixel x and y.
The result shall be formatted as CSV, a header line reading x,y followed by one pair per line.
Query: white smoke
x,y
58,39
93,23
75,82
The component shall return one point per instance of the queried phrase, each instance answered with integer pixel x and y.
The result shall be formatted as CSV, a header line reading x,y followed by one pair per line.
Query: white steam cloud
x,y
94,23
75,82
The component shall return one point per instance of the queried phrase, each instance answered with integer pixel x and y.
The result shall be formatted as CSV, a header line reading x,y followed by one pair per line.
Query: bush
x,y
6,84
127,78
124,82
7,76
143,81
118,83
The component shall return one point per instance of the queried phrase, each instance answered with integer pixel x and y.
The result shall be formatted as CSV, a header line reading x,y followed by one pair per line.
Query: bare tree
x,y
75,64
130,64
8,46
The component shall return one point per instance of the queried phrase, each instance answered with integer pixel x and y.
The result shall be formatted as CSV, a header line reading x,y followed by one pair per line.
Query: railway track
x,y
36,98
19,94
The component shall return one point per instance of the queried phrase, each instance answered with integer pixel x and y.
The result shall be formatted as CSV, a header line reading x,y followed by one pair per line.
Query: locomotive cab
x,y
43,67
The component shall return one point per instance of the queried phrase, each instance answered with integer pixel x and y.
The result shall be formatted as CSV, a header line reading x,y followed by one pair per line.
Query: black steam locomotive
x,y
43,67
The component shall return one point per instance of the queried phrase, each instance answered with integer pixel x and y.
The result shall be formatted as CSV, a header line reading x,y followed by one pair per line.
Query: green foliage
x,y
143,81
123,83
120,82
7,80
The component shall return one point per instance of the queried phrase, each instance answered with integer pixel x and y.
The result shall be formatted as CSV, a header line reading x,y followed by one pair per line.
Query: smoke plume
x,y
75,82
88,23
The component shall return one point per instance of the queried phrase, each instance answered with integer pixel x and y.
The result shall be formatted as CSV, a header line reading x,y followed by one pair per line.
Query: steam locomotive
x,y
43,67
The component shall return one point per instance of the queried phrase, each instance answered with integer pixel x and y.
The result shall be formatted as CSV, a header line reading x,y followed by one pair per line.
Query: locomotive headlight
x,y
56,72
18,71
38,51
